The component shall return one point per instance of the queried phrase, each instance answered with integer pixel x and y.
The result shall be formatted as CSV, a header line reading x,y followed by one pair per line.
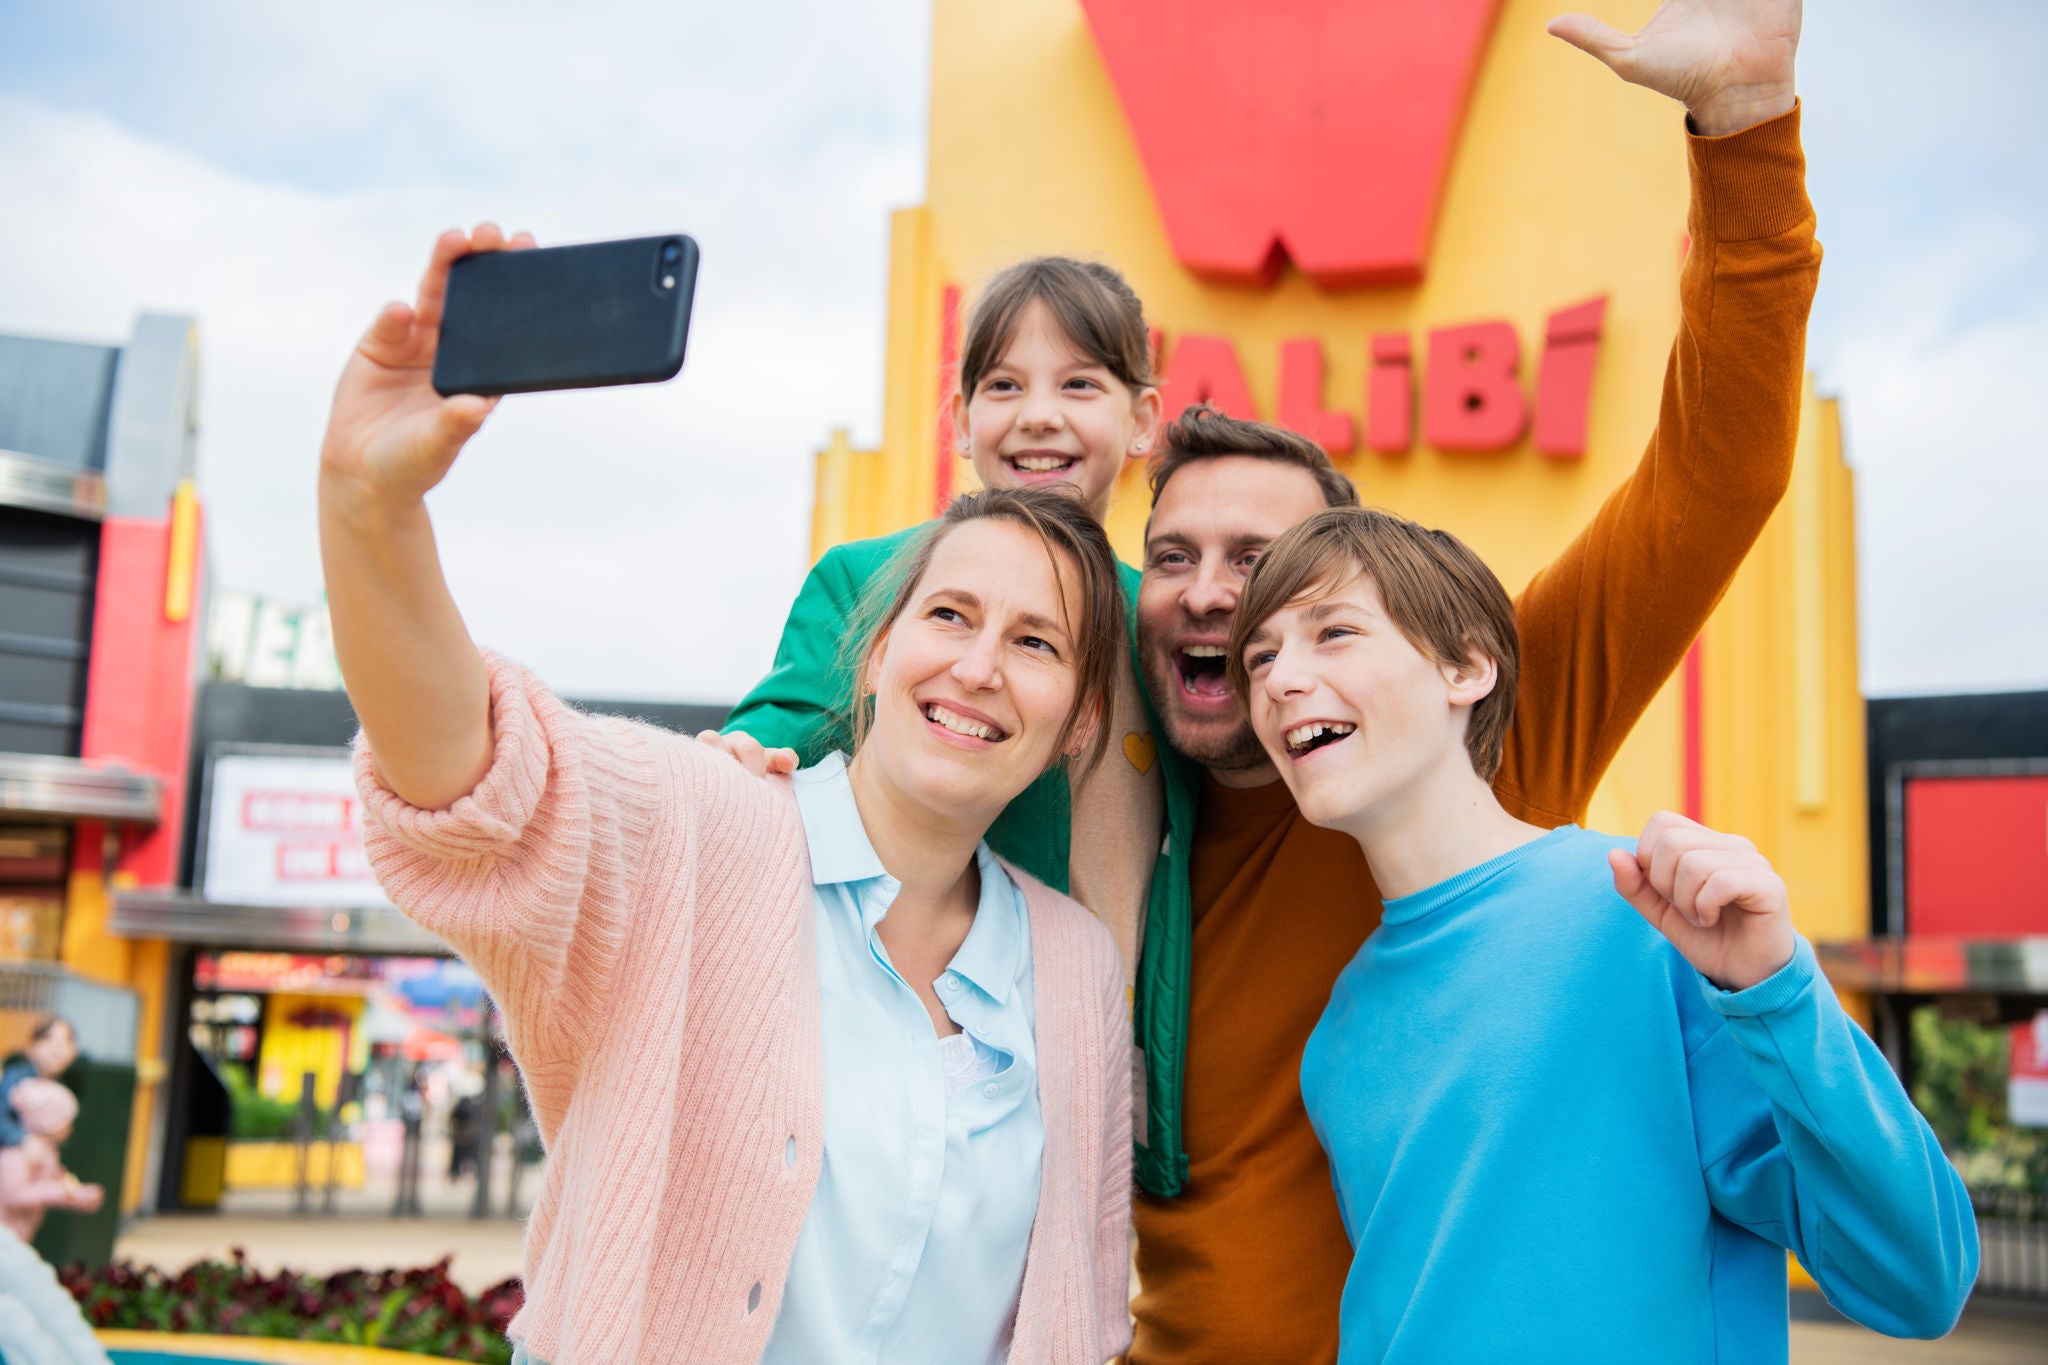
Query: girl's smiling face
x,y
1045,413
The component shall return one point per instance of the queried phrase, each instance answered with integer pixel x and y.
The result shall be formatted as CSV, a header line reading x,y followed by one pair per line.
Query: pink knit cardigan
x,y
641,909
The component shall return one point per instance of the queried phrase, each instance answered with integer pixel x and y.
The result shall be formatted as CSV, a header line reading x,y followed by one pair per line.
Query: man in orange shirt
x,y
1246,1262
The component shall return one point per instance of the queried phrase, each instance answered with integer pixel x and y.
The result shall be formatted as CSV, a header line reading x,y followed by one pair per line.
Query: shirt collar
x,y
841,853
988,956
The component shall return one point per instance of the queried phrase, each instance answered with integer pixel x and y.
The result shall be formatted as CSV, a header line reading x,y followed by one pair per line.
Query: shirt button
x,y
754,1297
949,983
990,1089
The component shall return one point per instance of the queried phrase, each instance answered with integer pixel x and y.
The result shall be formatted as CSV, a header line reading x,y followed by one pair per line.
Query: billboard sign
x,y
284,827
1975,851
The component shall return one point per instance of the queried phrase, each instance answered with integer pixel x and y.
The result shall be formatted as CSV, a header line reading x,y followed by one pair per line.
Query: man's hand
x,y
87,1198
390,437
759,761
1729,62
1713,895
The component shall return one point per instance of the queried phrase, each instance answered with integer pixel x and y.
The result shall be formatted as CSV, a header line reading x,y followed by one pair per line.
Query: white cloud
x,y
1927,141
639,542
1944,431
278,171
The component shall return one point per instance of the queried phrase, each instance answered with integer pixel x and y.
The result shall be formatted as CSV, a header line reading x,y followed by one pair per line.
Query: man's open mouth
x,y
1316,734
1201,671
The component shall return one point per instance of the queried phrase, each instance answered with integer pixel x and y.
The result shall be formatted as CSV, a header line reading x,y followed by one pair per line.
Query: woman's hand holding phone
x,y
390,437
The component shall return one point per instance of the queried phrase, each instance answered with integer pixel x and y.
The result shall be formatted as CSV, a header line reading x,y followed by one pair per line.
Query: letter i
x,y
1390,396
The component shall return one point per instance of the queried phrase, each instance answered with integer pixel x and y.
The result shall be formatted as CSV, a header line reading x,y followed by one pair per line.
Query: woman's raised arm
x,y
412,672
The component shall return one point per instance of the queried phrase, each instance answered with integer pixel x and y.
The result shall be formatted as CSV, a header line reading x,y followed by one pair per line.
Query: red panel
x,y
1472,399
139,689
949,381
1319,131
1204,369
1301,398
1977,855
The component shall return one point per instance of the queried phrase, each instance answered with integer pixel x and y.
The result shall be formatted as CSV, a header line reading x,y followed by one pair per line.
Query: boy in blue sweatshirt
x,y
1579,1095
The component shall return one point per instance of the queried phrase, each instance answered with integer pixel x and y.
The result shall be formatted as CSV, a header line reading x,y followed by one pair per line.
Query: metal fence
x,y
102,1017
2012,1227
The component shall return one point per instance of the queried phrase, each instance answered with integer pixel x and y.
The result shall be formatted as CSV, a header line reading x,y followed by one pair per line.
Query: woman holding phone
x,y
820,1077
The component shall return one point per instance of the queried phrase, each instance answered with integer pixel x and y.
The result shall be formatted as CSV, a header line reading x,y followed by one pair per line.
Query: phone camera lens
x,y
671,253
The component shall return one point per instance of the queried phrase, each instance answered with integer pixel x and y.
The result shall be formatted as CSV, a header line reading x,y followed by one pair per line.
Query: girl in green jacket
x,y
1055,388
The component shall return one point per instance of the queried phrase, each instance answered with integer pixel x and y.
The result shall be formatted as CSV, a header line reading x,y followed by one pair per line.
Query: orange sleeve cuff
x,y
1751,184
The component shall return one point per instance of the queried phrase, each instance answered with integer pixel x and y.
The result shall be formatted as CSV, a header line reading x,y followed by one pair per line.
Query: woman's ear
x,y
1472,681
871,663
1148,411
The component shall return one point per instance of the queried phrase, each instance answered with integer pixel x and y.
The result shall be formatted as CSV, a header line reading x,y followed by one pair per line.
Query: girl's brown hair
x,y
1069,535
1092,304
1437,592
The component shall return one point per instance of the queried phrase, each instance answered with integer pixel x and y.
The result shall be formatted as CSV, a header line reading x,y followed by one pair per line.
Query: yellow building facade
x,y
1564,186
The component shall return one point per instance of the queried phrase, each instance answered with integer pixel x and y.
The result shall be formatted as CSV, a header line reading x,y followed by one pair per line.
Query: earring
x,y
967,447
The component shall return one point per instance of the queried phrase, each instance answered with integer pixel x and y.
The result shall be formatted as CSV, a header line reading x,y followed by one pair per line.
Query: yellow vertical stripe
x,y
1810,612
184,552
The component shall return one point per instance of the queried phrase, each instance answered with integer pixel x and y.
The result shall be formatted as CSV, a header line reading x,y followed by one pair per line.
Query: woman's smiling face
x,y
975,679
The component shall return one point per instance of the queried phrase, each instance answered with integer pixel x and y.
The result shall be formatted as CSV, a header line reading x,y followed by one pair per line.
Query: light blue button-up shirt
x,y
913,1249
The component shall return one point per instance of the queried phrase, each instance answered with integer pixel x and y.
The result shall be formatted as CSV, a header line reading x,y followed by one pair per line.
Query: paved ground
x,y
1987,1336
484,1252
487,1252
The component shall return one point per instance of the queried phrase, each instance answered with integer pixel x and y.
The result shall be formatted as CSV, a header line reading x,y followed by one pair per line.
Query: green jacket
x,y
803,704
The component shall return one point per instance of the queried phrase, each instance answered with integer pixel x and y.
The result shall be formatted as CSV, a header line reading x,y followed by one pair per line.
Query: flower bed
x,y
422,1310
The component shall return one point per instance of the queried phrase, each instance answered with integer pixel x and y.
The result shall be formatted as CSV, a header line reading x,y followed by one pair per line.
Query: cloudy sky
x,y
277,170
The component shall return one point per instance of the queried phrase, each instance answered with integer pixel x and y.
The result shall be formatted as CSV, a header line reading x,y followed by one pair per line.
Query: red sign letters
x,y
1471,387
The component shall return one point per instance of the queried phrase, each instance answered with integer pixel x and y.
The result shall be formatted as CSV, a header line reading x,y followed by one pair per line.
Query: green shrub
x,y
256,1117
1959,1082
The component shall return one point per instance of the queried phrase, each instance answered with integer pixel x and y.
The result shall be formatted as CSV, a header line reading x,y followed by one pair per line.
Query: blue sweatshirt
x,y
1552,1139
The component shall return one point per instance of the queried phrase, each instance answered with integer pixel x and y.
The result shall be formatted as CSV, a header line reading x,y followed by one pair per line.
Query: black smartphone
x,y
566,317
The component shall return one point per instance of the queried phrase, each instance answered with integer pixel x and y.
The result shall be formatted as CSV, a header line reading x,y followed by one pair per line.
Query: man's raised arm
x,y
1606,623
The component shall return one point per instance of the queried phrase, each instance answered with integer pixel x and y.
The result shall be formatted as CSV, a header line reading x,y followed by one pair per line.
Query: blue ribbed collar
x,y
1406,909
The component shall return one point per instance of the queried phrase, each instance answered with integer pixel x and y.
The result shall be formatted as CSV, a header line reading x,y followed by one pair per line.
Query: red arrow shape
x,y
1317,131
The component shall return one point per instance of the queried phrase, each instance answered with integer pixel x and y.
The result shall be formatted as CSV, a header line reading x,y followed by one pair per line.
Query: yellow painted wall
x,y
289,1051
143,967
1566,184
275,1165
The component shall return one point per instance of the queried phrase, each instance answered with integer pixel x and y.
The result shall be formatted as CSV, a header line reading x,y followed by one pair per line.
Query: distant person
x,y
821,1078
32,1175
462,1133
1580,1094
52,1048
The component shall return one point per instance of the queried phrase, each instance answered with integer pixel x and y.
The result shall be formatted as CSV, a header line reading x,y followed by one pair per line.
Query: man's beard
x,y
1229,751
